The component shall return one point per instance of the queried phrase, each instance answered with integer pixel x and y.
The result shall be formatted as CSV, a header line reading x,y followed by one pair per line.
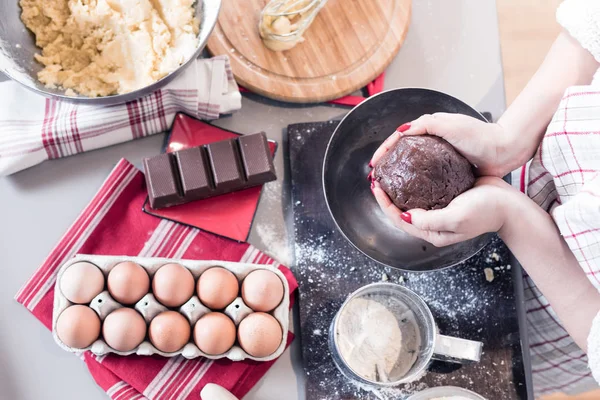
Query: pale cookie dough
x,y
105,47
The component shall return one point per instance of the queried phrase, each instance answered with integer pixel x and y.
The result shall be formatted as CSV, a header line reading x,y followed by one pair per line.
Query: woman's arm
x,y
534,239
529,232
497,149
566,64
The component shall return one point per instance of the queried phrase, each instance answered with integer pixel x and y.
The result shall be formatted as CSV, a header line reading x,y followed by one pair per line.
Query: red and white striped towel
x,y
34,128
564,178
114,224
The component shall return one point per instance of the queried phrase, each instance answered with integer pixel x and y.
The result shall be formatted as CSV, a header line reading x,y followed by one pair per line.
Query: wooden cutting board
x,y
349,44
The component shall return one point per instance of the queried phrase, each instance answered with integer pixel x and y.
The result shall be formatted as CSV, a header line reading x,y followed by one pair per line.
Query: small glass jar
x,y
283,22
409,309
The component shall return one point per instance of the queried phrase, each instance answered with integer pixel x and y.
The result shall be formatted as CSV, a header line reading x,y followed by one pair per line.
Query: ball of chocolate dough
x,y
423,172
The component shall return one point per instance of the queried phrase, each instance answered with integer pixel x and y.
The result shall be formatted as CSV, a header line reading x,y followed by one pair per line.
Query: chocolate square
x,y
162,181
256,158
194,173
226,166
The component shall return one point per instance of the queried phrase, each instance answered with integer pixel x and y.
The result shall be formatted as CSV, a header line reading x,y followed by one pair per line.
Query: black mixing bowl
x,y
347,190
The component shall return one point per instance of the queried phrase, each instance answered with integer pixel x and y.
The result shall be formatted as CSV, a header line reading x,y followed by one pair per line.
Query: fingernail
x,y
372,185
406,217
403,128
370,176
370,164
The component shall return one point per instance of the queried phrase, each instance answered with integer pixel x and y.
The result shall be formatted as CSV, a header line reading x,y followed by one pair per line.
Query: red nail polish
x,y
372,185
403,127
370,176
370,164
406,217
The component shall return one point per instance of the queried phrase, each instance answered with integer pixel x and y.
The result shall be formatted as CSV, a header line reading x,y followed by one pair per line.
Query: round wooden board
x,y
348,45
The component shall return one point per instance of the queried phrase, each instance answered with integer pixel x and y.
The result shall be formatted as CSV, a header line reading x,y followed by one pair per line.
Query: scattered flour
x,y
273,236
455,304
274,243
387,393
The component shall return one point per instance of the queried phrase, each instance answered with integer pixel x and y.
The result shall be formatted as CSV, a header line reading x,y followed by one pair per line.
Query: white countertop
x,y
451,46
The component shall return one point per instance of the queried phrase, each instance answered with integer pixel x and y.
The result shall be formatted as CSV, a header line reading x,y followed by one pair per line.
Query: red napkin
x,y
372,88
228,215
113,224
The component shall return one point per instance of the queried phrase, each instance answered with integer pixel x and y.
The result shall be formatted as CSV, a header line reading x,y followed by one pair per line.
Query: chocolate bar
x,y
206,171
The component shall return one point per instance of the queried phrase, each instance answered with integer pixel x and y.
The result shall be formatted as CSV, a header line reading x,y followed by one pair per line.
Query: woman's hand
x,y
485,145
477,211
497,149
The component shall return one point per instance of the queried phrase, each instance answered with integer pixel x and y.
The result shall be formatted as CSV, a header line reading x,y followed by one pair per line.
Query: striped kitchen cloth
x,y
34,129
564,179
114,224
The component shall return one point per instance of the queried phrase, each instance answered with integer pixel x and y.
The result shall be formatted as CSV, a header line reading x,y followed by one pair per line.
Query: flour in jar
x,y
377,338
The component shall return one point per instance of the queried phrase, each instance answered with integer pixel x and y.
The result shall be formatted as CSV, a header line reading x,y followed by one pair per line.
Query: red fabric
x,y
522,181
377,85
372,88
348,100
229,215
113,224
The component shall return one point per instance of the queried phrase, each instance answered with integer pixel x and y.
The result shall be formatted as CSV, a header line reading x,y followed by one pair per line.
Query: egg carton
x,y
103,304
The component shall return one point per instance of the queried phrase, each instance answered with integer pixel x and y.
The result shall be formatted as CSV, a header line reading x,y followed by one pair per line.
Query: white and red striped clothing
x,y
564,179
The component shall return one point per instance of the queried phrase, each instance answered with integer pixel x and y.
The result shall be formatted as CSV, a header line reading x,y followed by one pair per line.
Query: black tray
x,y
463,302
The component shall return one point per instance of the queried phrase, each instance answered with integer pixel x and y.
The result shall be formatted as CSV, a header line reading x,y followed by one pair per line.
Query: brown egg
x,y
214,333
169,331
259,334
124,329
81,282
217,288
262,290
78,326
173,285
128,282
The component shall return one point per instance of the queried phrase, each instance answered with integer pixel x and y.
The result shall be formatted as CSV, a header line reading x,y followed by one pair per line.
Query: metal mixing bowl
x,y
347,191
17,47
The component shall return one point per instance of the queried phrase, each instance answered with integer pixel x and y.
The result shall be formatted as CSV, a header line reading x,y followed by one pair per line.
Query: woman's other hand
x,y
482,209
